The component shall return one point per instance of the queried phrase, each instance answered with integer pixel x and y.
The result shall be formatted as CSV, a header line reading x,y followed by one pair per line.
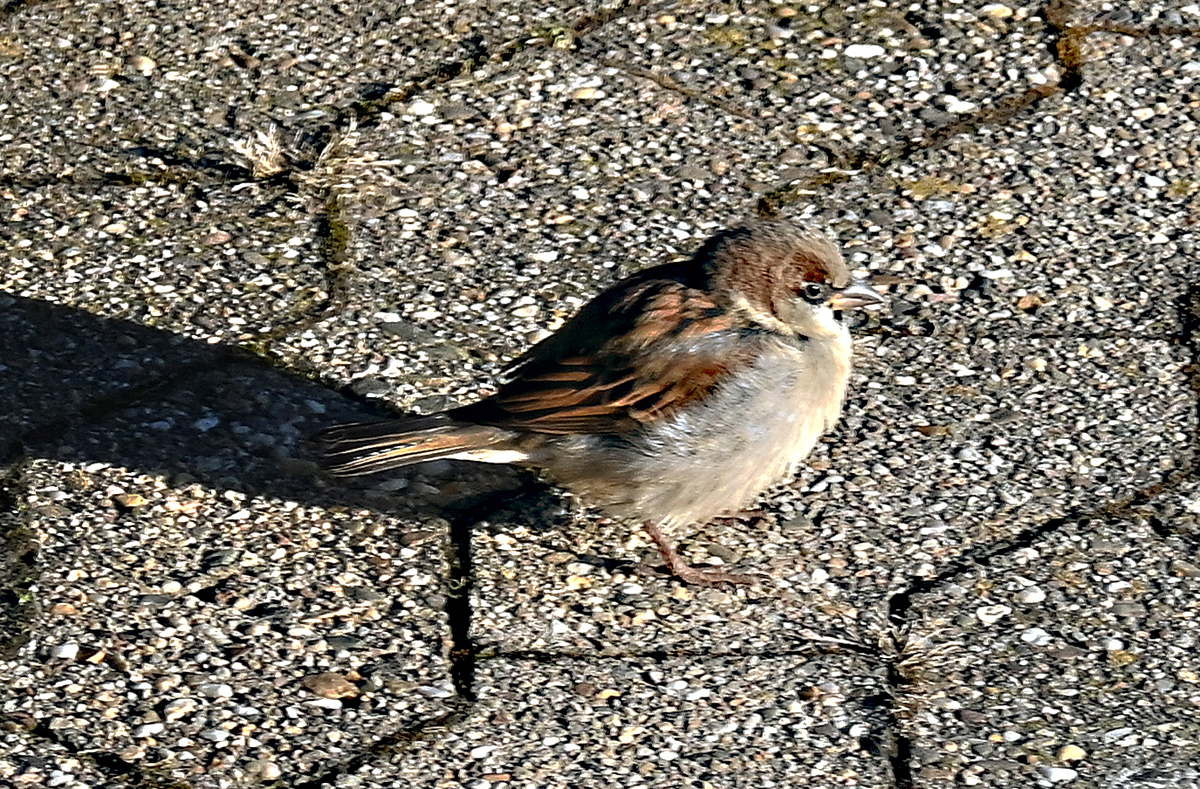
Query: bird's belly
x,y
715,455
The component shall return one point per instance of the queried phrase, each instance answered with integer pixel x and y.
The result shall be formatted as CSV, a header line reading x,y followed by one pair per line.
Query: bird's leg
x,y
685,572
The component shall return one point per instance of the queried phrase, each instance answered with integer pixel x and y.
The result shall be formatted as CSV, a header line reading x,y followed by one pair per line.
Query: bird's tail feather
x,y
368,447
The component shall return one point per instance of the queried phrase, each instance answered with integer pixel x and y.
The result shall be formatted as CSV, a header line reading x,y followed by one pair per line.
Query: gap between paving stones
x,y
386,745
335,238
1066,40
20,564
333,231
900,604
367,111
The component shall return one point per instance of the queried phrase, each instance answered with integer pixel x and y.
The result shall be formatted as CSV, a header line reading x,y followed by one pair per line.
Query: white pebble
x,y
263,769
1036,636
862,51
66,651
526,311
148,730
325,704
216,690
1056,775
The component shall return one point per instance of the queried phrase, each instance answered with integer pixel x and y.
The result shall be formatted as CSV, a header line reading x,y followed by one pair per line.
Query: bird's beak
x,y
857,294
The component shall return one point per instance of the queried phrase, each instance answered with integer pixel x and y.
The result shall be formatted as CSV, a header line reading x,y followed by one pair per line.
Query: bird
x,y
675,396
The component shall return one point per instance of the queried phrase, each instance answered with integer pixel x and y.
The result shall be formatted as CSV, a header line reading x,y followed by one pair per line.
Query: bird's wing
x,y
632,356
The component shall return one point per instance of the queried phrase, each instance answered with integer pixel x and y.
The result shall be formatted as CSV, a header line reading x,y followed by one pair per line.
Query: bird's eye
x,y
815,292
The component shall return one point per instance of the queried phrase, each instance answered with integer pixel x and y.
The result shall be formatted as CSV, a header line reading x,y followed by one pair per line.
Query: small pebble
x,y
266,771
129,500
990,614
66,651
1071,753
1030,595
179,708
431,692
148,730
1057,775
997,10
1036,636
325,704
864,51
141,63
330,685
215,690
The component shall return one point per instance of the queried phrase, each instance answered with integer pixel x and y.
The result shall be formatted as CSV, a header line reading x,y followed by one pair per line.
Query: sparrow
x,y
676,395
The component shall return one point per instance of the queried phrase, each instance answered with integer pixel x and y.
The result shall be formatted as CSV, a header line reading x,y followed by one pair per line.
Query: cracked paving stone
x,y
1099,660
193,573
1026,430
197,579
226,73
1079,217
718,720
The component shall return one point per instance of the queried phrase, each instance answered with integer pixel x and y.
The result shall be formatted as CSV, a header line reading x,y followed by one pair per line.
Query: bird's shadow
x,y
89,389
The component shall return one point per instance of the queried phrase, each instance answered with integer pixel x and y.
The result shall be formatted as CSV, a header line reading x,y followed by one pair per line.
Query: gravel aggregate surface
x,y
718,720
229,226
1090,652
200,632
235,268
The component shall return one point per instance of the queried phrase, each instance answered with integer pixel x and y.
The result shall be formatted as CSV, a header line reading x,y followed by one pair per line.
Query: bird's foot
x,y
704,576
